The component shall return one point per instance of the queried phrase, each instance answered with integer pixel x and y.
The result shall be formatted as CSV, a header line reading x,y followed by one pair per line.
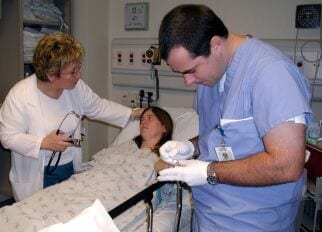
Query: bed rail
x,y
147,195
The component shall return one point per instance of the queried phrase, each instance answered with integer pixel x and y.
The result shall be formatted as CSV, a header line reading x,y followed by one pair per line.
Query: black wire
x,y
51,170
48,170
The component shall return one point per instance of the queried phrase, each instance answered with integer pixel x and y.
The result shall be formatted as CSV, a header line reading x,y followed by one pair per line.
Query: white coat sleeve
x,y
102,109
14,126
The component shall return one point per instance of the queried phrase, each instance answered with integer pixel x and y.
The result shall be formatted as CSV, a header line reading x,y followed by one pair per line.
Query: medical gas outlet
x,y
153,55
132,65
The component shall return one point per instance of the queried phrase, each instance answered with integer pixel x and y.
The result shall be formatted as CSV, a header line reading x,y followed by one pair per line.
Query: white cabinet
x,y
13,62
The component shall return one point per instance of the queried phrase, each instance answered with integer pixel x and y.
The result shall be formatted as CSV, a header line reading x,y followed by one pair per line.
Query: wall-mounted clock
x,y
308,16
136,16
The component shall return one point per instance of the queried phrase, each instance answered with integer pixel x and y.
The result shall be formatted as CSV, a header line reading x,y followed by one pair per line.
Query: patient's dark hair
x,y
166,120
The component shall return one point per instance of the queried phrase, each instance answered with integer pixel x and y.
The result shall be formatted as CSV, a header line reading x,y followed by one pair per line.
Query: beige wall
x,y
273,19
90,26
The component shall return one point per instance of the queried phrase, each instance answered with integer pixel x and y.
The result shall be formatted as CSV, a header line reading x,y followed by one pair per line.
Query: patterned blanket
x,y
118,173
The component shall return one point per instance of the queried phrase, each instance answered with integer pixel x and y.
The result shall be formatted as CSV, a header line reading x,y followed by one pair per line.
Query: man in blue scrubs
x,y
253,105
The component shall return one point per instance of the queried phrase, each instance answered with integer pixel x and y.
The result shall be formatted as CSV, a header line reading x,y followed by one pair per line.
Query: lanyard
x,y
222,133
221,107
223,152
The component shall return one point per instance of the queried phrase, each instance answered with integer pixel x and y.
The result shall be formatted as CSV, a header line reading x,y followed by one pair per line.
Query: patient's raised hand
x,y
161,165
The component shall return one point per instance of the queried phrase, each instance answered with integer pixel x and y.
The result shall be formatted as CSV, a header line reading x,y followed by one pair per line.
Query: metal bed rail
x,y
146,195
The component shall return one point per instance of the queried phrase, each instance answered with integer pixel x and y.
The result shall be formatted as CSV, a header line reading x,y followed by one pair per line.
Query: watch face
x,y
211,173
308,16
212,179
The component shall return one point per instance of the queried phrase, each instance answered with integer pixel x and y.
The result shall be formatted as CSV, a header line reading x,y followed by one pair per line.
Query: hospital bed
x,y
62,202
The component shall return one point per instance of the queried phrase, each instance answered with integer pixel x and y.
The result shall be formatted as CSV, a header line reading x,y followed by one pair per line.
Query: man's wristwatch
x,y
212,178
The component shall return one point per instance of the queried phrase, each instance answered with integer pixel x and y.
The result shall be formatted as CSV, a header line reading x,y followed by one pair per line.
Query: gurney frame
x,y
147,195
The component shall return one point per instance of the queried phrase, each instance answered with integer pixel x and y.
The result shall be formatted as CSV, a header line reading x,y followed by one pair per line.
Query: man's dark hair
x,y
192,27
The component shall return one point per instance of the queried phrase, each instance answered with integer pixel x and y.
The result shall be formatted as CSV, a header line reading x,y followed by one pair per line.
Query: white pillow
x,y
185,125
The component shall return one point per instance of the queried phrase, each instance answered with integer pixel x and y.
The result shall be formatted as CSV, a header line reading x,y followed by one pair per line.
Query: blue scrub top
x,y
263,88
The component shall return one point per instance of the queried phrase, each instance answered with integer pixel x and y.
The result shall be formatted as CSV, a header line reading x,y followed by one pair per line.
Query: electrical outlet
x,y
129,59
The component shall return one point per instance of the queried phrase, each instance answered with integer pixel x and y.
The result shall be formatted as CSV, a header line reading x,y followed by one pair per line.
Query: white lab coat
x,y
22,128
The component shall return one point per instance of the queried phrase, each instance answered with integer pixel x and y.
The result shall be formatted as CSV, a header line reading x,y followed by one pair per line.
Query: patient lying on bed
x,y
118,173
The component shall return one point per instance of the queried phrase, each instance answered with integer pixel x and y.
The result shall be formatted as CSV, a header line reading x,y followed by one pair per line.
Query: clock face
x,y
308,16
136,16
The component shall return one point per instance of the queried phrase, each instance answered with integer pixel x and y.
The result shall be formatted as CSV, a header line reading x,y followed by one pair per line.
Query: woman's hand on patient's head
x,y
136,113
55,142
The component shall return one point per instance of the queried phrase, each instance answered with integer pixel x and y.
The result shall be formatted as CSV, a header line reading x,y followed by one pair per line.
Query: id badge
x,y
224,153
